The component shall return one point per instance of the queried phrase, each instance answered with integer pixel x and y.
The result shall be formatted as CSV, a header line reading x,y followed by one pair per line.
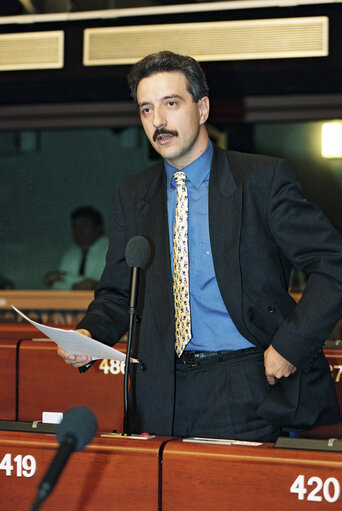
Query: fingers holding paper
x,y
77,347
75,360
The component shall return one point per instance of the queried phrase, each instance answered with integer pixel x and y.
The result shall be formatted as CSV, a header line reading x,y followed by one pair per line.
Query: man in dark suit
x,y
254,362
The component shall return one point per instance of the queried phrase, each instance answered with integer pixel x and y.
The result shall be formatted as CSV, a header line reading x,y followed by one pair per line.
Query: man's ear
x,y
204,109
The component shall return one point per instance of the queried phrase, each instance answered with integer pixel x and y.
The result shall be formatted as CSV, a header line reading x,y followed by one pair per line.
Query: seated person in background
x,y
82,264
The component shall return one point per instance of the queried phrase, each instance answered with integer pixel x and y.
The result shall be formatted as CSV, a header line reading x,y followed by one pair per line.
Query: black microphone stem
x,y
54,471
36,505
135,274
137,254
127,367
76,430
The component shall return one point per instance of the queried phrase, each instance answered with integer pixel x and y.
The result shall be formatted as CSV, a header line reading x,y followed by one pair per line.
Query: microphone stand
x,y
135,274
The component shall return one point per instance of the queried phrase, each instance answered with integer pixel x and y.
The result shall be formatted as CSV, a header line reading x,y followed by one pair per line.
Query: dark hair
x,y
88,212
167,61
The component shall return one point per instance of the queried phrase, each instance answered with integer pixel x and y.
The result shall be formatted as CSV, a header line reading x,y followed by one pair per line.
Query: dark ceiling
x,y
17,7
227,80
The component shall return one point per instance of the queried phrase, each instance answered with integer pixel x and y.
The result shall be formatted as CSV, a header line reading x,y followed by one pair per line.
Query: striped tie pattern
x,y
181,293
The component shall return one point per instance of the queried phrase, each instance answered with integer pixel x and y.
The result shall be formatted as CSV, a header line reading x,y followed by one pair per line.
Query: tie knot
x,y
180,178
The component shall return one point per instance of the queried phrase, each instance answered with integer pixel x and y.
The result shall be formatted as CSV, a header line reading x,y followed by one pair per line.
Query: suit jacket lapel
x,y
152,222
225,210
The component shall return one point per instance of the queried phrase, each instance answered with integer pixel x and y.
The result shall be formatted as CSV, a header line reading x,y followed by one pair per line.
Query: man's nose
x,y
158,119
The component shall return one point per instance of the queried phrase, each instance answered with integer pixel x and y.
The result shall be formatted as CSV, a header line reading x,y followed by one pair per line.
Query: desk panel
x,y
7,379
45,306
109,474
334,358
202,477
17,331
47,384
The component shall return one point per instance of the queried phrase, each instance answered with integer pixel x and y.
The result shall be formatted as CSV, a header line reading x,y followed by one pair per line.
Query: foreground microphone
x,y
137,254
76,430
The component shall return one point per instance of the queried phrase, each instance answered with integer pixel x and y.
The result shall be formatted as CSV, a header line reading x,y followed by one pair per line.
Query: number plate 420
x,y
314,489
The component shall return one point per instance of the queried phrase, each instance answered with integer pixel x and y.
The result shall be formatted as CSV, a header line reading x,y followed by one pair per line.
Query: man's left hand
x,y
276,366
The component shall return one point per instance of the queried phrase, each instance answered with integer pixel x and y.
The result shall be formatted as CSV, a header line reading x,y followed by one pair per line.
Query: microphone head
x,y
137,252
79,423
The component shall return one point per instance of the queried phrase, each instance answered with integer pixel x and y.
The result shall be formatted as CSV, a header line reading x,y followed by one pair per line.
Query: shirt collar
x,y
196,172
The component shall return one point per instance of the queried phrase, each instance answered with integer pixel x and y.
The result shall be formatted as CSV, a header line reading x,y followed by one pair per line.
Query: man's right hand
x,y
75,360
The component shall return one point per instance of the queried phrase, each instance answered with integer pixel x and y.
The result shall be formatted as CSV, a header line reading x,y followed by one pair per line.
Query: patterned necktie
x,y
181,293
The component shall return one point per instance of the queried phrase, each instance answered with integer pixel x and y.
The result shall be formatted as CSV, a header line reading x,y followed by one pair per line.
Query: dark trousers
x,y
219,398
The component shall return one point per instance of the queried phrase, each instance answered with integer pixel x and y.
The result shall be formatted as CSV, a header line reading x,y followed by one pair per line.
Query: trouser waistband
x,y
196,358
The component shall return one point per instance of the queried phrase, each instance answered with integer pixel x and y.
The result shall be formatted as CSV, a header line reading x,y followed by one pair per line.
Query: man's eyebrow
x,y
173,96
144,103
165,98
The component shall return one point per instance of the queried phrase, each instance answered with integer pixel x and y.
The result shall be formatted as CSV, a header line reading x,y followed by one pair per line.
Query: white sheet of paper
x,y
220,441
77,343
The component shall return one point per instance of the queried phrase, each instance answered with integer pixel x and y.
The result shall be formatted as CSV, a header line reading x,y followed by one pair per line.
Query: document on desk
x,y
77,343
220,441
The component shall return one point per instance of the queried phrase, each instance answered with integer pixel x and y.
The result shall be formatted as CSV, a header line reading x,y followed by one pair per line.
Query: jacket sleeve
x,y
314,247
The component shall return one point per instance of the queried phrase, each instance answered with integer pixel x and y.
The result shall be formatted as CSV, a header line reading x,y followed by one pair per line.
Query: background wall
x,y
300,144
45,175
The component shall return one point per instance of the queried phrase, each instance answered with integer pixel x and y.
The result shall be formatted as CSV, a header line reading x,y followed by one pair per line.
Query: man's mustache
x,y
162,131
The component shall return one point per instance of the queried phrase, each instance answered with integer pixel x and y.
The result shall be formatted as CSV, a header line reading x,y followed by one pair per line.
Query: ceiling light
x,y
331,138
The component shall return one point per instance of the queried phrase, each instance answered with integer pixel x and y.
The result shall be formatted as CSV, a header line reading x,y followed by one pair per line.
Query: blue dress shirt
x,y
212,327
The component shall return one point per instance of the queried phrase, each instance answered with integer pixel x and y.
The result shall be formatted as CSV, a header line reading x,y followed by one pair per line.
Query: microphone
x,y
137,254
76,430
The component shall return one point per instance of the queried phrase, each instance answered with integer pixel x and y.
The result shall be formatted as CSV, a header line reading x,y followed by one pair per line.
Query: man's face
x,y
173,122
85,232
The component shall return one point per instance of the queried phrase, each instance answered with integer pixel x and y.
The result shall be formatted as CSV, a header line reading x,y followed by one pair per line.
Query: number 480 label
x,y
330,487
112,366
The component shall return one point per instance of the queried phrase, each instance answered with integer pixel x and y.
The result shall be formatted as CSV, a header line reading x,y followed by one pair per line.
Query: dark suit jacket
x,y
260,225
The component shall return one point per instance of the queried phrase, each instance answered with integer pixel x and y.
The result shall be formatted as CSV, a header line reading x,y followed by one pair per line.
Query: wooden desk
x,y
45,306
29,299
109,474
7,379
334,358
198,477
47,384
17,331
127,474
10,334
